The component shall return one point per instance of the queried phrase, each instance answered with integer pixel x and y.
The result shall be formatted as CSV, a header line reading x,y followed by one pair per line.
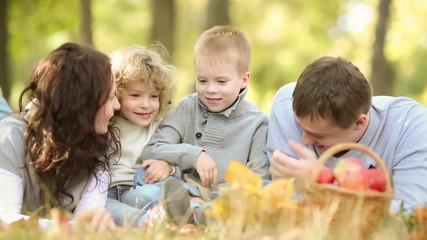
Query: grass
x,y
244,211
394,228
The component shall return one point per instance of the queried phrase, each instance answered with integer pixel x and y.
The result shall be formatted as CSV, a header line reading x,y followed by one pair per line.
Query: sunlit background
x,y
286,35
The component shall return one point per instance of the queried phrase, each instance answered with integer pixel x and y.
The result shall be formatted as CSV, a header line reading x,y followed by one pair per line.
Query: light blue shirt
x,y
4,107
397,133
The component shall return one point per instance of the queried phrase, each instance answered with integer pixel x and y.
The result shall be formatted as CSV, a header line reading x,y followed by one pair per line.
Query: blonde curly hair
x,y
147,64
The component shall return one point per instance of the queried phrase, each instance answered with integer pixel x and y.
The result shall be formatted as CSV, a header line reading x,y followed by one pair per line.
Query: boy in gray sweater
x,y
209,128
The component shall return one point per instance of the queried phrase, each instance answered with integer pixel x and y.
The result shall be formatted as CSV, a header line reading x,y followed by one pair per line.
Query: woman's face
x,y
106,112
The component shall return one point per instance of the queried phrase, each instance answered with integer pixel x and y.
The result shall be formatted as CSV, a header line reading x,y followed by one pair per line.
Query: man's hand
x,y
157,170
99,219
284,166
207,169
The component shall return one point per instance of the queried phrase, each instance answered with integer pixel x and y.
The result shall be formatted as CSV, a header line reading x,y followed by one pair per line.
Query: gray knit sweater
x,y
15,159
238,133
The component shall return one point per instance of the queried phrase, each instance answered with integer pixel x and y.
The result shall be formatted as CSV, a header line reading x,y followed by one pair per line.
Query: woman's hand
x,y
99,219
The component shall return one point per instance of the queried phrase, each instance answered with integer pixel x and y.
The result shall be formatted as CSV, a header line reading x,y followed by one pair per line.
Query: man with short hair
x,y
332,103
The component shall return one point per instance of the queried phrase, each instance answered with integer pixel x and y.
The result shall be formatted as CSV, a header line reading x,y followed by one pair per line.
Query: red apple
x,y
377,180
347,164
351,174
325,176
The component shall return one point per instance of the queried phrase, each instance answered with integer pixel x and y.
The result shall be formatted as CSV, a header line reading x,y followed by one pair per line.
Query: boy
x,y
209,128
332,103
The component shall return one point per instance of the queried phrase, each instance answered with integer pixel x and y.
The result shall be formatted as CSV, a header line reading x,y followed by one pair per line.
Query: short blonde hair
x,y
224,43
146,64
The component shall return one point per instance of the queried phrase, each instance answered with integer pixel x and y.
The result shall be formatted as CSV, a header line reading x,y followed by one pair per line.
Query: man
x,y
332,103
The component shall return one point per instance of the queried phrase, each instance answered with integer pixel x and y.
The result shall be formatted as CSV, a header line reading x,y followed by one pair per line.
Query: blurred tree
x,y
286,35
4,56
217,13
86,22
382,78
163,23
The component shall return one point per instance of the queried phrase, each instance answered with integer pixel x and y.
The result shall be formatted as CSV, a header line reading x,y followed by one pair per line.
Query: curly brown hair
x,y
70,86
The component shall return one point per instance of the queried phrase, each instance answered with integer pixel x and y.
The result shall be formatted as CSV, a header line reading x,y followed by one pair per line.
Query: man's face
x,y
322,133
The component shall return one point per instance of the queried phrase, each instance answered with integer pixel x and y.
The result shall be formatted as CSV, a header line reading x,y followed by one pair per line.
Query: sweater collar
x,y
227,112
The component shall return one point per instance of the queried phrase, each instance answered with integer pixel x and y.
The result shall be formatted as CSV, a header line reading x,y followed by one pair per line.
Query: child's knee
x,y
150,192
138,179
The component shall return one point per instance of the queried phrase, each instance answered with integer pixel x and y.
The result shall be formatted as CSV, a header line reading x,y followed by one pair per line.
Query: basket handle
x,y
347,146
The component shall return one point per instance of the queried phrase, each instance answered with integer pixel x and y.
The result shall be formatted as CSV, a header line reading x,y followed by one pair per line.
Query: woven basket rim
x,y
314,187
312,181
370,206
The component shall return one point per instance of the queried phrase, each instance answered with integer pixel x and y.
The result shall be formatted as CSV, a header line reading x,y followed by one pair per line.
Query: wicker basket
x,y
348,213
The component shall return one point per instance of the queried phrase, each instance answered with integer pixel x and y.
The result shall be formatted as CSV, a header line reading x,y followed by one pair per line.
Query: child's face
x,y
218,85
140,104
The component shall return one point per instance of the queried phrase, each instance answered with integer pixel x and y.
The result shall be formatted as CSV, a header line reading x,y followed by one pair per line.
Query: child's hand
x,y
157,170
208,172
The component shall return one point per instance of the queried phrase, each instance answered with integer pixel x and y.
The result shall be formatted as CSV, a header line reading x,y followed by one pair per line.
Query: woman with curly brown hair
x,y
58,156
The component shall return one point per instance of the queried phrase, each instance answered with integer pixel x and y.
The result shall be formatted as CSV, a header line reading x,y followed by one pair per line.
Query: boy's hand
x,y
99,219
157,170
284,166
206,167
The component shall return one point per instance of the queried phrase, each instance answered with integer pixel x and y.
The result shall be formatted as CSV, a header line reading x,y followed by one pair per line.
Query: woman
x,y
58,156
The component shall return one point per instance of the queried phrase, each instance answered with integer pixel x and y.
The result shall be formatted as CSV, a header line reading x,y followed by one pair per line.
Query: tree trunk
x,y
382,75
163,27
4,57
217,13
86,22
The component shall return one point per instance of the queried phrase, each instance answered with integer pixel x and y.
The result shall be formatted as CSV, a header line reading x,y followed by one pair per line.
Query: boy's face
x,y
219,85
323,134
140,104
